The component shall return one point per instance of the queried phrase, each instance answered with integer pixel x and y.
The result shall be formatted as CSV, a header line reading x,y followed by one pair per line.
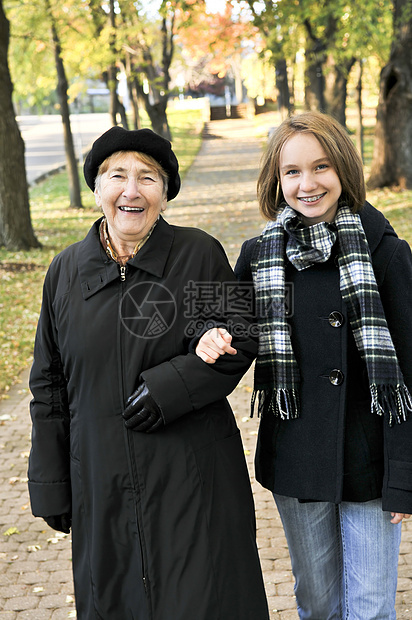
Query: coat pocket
x,y
400,475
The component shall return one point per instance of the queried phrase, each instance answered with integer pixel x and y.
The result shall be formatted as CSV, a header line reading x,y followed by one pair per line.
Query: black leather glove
x,y
61,523
142,413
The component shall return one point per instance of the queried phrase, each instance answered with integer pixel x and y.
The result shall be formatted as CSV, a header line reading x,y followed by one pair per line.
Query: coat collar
x,y
97,270
375,225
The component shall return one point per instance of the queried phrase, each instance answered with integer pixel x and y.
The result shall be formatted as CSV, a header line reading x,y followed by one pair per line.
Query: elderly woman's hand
x,y
142,413
60,523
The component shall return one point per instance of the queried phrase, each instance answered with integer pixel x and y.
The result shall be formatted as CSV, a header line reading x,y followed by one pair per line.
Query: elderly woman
x,y
134,446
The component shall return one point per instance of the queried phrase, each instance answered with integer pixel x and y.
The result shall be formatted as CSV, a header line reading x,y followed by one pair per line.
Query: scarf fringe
x,y
282,402
395,402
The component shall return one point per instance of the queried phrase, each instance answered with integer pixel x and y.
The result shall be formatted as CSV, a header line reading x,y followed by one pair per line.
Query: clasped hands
x,y
142,413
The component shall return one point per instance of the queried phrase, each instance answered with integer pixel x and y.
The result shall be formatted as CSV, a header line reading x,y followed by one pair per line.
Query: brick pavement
x,y
35,562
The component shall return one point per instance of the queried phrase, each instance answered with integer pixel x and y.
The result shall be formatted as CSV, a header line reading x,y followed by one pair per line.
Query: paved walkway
x,y
218,195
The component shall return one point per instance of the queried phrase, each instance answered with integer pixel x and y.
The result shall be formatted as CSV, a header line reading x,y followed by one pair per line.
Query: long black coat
x,y
163,523
338,450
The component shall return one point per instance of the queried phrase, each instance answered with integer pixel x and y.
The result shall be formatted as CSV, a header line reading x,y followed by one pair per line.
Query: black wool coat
x,y
337,449
163,523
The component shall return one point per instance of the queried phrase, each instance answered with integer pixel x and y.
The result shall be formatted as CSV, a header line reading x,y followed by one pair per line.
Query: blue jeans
x,y
344,558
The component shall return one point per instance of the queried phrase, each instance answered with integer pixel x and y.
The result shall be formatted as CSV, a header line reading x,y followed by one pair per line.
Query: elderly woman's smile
x,y
132,195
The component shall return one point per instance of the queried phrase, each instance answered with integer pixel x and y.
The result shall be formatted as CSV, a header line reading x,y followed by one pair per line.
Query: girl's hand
x,y
397,517
213,344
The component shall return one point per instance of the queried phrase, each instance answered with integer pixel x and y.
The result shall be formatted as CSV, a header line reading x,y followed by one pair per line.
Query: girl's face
x,y
309,183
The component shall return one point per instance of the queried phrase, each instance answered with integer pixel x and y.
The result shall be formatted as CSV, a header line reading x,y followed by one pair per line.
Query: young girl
x,y
334,307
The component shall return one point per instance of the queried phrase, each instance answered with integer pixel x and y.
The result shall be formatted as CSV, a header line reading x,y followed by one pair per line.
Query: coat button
x,y
336,377
335,319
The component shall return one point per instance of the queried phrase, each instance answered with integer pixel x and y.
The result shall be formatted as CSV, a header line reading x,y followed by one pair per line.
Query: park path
x,y
219,195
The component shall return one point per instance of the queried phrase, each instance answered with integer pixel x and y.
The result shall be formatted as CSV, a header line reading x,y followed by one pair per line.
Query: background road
x,y
43,138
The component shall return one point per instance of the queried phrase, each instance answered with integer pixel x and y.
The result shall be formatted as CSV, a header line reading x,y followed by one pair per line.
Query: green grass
x,y
57,226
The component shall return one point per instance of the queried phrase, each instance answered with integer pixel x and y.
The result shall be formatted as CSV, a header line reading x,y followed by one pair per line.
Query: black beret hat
x,y
140,140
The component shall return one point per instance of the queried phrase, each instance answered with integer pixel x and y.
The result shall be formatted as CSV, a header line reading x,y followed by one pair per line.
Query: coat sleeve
x,y
396,295
49,470
186,383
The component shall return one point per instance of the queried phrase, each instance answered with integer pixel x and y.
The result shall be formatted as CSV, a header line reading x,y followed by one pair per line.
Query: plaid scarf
x,y
277,375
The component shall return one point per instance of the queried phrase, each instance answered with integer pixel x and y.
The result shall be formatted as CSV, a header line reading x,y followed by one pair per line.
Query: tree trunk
x,y
122,111
315,58
112,86
156,112
336,83
134,99
62,87
359,126
16,232
158,119
282,86
115,105
392,153
314,82
133,91
112,70
156,101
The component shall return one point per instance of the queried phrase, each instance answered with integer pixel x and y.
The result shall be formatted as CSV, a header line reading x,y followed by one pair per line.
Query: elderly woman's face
x,y
131,196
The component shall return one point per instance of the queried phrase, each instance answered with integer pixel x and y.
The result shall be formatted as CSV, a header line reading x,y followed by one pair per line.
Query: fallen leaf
x,y
15,479
57,536
11,531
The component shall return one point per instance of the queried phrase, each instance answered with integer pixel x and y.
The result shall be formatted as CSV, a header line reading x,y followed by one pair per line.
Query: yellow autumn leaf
x,y
10,531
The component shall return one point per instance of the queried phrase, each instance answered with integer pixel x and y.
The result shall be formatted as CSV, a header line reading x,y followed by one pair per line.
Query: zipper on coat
x,y
145,586
138,524
134,473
